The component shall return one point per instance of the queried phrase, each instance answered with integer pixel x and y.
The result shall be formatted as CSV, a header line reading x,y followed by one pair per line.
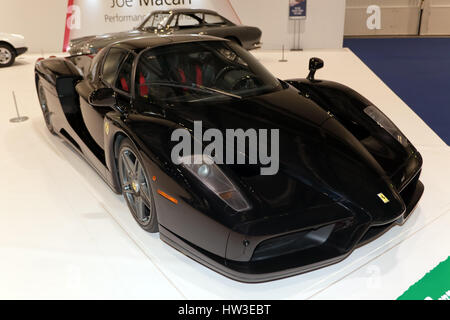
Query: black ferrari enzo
x,y
346,173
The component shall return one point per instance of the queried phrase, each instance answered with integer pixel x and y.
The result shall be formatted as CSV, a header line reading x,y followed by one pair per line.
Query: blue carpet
x,y
417,70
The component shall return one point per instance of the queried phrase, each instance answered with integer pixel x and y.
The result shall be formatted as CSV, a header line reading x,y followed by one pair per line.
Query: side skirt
x,y
79,152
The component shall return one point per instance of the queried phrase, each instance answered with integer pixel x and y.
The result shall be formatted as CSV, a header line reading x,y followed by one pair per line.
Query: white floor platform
x,y
65,235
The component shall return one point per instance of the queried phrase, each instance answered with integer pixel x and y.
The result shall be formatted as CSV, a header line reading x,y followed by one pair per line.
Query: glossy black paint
x,y
314,65
103,97
334,161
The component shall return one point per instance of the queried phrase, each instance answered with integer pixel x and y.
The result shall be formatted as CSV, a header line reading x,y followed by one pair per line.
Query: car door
x,y
115,73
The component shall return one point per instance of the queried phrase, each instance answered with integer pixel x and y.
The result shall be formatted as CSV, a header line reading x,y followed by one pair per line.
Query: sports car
x,y
177,21
346,173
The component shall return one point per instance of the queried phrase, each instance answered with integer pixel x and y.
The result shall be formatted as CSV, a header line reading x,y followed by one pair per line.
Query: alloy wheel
x,y
135,186
5,56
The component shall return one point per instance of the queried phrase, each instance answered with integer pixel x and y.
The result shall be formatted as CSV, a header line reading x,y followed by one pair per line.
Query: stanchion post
x,y
297,36
18,118
283,59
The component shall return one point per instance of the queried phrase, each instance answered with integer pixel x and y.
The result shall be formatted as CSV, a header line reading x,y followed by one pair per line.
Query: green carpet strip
x,y
435,285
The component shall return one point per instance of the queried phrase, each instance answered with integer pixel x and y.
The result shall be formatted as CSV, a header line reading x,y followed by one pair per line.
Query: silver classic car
x,y
181,21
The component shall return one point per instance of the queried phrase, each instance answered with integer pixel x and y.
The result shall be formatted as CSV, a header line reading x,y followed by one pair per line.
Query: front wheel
x,y
7,55
136,187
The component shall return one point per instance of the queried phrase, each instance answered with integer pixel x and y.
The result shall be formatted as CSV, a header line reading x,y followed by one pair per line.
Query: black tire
x,y
136,187
7,55
44,106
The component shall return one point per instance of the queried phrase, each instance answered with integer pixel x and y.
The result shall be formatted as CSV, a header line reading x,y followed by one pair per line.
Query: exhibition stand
x,y
65,235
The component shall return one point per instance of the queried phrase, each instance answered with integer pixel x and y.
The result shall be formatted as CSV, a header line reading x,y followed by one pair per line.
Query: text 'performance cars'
x,y
345,172
179,21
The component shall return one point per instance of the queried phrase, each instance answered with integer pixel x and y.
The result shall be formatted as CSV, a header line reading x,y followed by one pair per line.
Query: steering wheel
x,y
246,82
224,71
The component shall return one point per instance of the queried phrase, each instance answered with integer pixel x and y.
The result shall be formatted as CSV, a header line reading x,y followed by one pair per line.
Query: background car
x,y
347,173
11,46
180,21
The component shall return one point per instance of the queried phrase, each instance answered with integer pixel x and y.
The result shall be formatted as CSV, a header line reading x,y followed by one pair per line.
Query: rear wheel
x,y
7,55
136,187
44,106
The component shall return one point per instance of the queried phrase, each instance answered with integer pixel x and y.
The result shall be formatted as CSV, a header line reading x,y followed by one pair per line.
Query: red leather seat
x,y
143,88
124,84
198,75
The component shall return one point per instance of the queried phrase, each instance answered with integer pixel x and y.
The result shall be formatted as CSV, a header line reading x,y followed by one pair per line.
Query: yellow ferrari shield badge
x,y
107,128
383,198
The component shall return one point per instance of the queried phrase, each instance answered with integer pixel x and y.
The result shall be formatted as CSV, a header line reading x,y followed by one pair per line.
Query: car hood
x,y
321,162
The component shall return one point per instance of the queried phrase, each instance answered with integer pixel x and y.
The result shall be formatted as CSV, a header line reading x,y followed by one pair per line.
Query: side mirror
x,y
104,97
314,65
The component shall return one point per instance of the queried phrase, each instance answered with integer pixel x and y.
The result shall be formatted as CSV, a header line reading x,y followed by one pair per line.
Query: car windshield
x,y
199,71
156,20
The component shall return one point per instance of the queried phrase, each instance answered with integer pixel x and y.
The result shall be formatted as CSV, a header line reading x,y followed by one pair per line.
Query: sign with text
x,y
297,9
87,17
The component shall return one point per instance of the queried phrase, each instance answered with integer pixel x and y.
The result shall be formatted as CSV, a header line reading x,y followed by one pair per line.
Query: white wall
x,y
42,22
90,18
398,17
436,17
323,28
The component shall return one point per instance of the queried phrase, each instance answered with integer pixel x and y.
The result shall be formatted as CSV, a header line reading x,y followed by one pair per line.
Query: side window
x,y
123,81
213,19
112,61
149,71
160,19
173,21
185,20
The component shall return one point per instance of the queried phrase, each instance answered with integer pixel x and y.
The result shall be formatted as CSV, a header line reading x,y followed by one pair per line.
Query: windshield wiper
x,y
194,86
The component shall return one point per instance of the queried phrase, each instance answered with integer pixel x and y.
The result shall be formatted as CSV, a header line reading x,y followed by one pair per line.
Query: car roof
x,y
185,11
145,42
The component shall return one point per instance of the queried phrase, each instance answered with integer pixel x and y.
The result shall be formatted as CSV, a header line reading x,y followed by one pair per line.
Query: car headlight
x,y
384,122
212,177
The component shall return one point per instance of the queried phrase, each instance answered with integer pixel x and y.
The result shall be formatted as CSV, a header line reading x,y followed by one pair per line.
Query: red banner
x,y
67,32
